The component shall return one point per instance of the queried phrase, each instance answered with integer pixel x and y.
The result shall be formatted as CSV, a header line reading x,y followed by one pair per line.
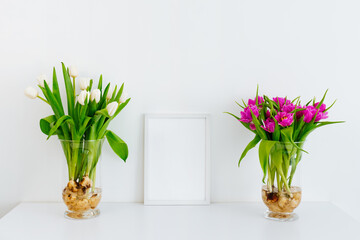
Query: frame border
x,y
207,158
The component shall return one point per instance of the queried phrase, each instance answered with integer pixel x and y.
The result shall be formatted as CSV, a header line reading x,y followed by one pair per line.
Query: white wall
x,y
182,56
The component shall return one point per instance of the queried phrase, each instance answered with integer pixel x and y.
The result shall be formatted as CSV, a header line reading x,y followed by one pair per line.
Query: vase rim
x,y
293,142
83,140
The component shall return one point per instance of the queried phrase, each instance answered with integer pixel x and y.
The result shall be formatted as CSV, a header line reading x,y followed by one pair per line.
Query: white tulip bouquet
x,y
84,126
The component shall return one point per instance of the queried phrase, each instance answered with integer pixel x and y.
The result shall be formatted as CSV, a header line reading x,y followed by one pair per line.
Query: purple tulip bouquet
x,y
281,125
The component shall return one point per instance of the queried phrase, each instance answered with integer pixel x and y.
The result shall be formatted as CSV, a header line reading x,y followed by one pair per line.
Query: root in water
x,y
79,197
281,202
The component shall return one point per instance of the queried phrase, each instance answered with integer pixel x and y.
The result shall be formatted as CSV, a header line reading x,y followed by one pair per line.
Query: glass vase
x,y
82,192
282,193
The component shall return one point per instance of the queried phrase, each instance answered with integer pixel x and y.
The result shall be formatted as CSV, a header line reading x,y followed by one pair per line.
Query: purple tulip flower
x,y
322,107
310,112
281,101
253,101
245,116
288,108
284,119
321,115
268,114
269,125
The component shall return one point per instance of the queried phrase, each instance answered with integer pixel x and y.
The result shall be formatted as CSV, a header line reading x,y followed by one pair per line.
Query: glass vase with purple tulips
x,y
281,126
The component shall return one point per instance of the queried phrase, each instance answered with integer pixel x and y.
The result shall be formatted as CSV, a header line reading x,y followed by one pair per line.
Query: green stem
x,y
277,158
73,163
270,182
67,152
80,161
278,182
285,168
83,166
295,163
90,157
74,85
285,183
74,159
92,149
43,99
293,169
93,177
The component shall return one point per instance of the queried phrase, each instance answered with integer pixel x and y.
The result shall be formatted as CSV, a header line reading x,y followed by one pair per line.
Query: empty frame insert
x,y
177,163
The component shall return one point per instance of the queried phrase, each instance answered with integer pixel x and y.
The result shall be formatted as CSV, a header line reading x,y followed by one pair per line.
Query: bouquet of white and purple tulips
x,y
84,126
281,125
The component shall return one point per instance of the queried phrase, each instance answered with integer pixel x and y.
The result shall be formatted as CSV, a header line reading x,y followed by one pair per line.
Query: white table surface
x,y
318,220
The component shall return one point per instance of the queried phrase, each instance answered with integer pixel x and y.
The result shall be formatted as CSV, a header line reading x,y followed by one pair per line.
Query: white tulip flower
x,y
111,108
82,97
110,93
41,79
95,95
31,92
73,71
123,97
84,83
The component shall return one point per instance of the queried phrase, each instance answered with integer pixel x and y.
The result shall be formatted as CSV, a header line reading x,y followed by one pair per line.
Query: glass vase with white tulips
x,y
281,125
81,131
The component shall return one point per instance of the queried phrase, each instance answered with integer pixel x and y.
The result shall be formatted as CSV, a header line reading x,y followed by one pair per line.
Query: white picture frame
x,y
173,176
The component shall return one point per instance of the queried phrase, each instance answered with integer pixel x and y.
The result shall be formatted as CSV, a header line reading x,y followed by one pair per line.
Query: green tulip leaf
x,y
113,95
69,90
287,133
298,128
118,95
84,126
327,109
83,110
103,112
250,146
100,83
239,105
45,123
312,127
264,152
103,125
320,124
276,133
120,107
102,102
261,132
237,118
60,121
52,101
92,108
322,100
90,85
117,145
56,90
277,159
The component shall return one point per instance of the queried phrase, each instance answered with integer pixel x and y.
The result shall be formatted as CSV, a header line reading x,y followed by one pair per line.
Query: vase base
x,y
82,215
282,217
